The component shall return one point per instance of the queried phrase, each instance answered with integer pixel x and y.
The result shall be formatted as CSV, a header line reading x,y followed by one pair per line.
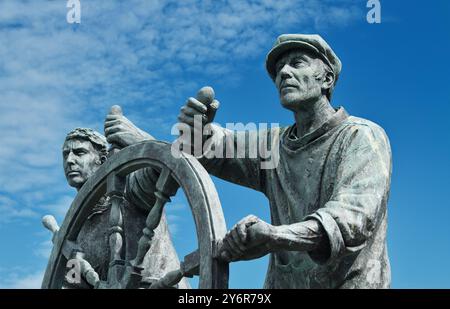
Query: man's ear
x,y
328,80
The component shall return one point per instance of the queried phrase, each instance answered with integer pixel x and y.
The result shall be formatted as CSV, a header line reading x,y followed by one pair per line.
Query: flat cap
x,y
312,42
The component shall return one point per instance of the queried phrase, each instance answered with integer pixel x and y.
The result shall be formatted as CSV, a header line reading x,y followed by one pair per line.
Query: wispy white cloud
x,y
10,211
22,281
44,249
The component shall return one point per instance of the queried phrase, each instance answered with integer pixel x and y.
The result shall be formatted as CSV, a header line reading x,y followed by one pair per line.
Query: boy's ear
x,y
103,159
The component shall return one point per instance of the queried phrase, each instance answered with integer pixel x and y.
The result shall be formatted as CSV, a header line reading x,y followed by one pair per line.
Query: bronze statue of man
x,y
84,150
328,191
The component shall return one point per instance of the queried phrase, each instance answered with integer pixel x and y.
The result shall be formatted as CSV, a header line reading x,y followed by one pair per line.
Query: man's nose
x,y
283,74
285,71
70,158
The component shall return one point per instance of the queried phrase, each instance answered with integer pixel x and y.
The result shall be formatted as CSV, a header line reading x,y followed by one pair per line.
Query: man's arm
x,y
121,132
234,156
252,238
140,185
345,223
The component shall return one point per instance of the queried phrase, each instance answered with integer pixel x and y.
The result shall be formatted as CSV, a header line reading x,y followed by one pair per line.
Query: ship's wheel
x,y
180,171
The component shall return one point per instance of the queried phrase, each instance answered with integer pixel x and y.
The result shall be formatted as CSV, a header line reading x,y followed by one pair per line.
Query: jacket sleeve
x,y
140,188
241,156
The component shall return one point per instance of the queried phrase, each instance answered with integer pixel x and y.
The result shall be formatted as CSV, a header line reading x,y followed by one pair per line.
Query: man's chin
x,y
290,104
296,104
75,183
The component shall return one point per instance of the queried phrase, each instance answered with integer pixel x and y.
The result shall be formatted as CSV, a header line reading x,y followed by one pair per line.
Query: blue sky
x,y
149,56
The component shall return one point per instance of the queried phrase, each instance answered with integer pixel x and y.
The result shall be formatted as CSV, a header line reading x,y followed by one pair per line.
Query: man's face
x,y
297,79
80,160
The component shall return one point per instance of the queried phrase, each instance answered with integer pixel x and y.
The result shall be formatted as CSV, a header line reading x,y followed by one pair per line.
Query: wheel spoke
x,y
188,268
115,188
165,188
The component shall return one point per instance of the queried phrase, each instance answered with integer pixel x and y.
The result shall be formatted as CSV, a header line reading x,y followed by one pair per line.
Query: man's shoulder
x,y
362,125
359,132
